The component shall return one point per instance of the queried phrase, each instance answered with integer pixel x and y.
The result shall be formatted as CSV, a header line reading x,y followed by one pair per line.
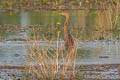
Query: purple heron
x,y
68,40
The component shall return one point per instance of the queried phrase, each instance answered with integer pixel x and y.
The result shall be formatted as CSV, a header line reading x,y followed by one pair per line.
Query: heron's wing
x,y
69,42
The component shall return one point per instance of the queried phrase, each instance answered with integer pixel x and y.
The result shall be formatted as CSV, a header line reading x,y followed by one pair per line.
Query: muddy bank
x,y
84,72
100,72
55,5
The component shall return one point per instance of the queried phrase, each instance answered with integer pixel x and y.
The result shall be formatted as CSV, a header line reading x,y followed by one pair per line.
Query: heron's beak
x,y
58,12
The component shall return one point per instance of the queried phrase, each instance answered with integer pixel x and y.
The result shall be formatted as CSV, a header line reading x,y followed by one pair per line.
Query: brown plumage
x,y
68,40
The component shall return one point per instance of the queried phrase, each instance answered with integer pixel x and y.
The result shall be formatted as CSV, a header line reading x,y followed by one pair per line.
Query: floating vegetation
x,y
47,32
28,5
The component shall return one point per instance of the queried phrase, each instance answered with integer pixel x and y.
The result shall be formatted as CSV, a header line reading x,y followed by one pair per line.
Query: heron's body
x,y
69,43
68,40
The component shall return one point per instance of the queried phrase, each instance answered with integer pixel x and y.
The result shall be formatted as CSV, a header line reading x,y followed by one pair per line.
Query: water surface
x,y
85,25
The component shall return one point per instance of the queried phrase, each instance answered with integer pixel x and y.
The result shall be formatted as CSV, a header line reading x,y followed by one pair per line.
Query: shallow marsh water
x,y
93,52
84,24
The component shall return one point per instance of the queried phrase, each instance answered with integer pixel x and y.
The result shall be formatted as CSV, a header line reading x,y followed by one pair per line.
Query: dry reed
x,y
50,63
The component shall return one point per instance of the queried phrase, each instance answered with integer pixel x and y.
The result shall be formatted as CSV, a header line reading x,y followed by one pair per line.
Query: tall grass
x,y
108,17
50,63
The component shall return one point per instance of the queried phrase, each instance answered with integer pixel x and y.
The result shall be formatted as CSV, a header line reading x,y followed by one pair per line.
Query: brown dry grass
x,y
50,63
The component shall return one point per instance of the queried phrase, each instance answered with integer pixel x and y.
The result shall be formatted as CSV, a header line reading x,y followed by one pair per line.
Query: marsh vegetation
x,y
94,25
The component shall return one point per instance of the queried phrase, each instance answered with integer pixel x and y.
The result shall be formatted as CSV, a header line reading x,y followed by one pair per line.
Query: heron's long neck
x,y
65,25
